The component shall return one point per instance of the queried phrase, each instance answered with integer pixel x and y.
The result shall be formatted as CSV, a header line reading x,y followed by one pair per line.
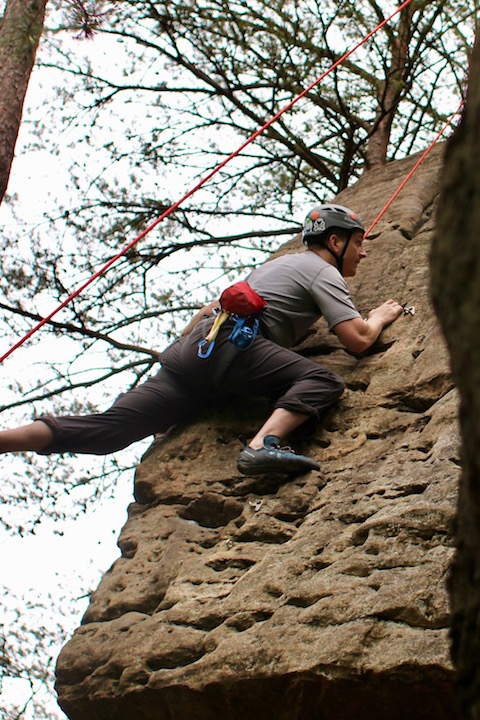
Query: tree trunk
x,y
20,31
390,91
455,266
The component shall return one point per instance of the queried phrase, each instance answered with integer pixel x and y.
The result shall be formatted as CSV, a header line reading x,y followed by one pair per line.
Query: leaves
x,y
86,17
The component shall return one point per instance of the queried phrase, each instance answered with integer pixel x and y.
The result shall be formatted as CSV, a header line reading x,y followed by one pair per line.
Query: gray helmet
x,y
330,217
327,217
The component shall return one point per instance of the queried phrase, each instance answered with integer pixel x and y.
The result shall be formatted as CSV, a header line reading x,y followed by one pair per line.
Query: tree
x,y
455,287
190,81
244,63
20,31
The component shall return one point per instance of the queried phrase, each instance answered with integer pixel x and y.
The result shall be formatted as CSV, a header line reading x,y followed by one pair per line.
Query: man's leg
x,y
264,454
280,424
152,407
35,436
299,388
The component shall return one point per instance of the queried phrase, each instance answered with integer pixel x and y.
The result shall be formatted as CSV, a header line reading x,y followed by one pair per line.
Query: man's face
x,y
355,252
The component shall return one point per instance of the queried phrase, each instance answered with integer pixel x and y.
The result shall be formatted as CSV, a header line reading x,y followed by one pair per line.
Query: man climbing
x,y
298,289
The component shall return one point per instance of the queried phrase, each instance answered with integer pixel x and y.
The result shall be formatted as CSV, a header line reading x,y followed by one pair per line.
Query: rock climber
x,y
298,289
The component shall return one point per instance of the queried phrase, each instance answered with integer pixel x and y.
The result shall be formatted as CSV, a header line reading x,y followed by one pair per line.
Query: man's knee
x,y
326,388
328,383
338,387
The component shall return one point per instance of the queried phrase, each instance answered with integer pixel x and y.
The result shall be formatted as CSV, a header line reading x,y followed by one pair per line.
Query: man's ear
x,y
335,243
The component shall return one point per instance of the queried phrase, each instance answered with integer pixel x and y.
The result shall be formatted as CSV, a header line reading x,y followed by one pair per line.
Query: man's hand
x,y
358,335
387,312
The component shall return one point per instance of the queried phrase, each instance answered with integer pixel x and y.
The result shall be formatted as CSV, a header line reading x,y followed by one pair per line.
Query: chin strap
x,y
339,258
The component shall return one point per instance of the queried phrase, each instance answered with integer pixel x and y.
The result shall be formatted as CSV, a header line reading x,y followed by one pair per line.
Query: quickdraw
x,y
206,346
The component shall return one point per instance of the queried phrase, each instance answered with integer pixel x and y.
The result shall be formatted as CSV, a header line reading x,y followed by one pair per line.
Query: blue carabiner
x,y
205,353
243,336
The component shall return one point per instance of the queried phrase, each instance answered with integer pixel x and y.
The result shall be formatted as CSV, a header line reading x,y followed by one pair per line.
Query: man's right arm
x,y
358,335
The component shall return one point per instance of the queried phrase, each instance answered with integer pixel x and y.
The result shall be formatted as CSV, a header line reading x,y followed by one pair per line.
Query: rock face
x,y
323,598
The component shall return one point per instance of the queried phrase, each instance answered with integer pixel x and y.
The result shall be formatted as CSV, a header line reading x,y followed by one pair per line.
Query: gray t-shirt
x,y
299,288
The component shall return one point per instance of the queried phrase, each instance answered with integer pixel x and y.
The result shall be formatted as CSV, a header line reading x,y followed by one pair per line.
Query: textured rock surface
x,y
321,598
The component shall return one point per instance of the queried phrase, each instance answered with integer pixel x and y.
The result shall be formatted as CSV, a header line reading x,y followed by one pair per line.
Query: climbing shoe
x,y
272,458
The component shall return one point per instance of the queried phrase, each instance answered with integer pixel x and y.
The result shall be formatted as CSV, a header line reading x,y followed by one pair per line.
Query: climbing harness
x,y
242,336
205,179
240,303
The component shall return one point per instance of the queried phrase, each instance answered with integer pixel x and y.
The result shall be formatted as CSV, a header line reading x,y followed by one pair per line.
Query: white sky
x,y
55,569
48,567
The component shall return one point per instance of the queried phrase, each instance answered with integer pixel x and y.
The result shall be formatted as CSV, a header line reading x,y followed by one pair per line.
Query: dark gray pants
x,y
187,385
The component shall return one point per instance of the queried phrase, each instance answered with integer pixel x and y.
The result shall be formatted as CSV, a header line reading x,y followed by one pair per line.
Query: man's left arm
x,y
357,335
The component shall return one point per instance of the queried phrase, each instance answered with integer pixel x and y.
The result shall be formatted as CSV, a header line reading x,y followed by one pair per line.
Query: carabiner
x,y
205,353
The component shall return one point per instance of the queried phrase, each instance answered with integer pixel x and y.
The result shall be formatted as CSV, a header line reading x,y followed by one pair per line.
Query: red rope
x,y
414,169
202,182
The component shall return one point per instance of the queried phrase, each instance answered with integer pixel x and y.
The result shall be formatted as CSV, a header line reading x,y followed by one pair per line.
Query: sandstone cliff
x,y
323,598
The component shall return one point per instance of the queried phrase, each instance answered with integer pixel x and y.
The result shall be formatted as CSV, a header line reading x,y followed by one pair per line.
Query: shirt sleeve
x,y
332,296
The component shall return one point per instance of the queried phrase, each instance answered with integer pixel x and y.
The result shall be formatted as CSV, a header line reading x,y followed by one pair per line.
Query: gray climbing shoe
x,y
273,458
